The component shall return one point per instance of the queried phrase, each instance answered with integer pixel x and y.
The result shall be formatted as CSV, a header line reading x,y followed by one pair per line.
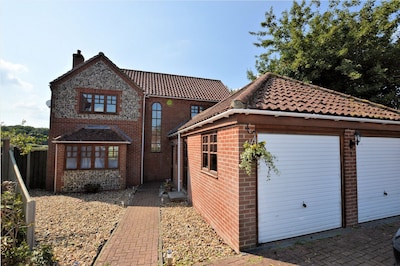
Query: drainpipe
x,y
142,150
55,169
179,161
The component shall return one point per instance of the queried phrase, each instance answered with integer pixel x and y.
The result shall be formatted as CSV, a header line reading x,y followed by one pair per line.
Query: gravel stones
x,y
188,236
77,225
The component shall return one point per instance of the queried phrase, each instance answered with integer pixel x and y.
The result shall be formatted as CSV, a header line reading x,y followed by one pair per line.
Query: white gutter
x,y
287,114
179,162
89,142
142,148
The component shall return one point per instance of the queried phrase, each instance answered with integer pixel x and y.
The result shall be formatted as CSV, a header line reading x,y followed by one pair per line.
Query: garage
x,y
306,196
378,178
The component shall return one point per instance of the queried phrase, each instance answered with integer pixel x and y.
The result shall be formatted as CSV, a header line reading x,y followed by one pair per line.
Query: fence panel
x,y
33,172
29,203
38,169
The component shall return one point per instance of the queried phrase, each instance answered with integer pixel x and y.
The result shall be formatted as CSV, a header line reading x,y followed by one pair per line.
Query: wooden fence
x,y
32,167
12,174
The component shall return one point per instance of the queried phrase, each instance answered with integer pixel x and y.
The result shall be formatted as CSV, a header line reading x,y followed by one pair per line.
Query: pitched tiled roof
x,y
277,93
176,86
95,133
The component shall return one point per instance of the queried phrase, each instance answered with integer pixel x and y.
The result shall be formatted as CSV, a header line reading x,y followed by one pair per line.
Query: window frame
x,y
99,156
156,127
209,153
107,102
195,110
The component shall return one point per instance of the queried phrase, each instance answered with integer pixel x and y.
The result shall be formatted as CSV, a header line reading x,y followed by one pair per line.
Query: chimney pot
x,y
77,59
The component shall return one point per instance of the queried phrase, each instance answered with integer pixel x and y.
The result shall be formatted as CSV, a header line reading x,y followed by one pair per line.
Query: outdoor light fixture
x,y
356,140
249,130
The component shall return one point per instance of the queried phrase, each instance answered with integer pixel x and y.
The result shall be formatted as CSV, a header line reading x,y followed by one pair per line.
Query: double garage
x,y
307,195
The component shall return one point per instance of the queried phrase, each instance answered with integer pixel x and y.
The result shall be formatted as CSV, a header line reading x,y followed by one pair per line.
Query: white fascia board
x,y
288,114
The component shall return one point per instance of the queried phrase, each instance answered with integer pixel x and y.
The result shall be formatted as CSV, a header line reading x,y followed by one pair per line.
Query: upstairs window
x,y
194,110
209,152
156,127
98,103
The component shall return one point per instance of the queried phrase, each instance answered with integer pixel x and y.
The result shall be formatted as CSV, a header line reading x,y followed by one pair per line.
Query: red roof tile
x,y
176,86
164,85
277,93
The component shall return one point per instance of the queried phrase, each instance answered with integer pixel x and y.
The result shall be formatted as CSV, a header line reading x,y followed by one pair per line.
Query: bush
x,y
14,249
92,188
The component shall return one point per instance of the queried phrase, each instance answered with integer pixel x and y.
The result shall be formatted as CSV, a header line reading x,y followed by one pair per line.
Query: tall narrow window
x,y
72,157
156,127
209,152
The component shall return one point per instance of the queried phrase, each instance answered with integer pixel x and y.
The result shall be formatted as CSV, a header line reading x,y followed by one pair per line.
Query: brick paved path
x,y
135,240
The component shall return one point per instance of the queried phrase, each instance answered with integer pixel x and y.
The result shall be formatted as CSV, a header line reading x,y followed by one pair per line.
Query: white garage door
x,y
378,178
306,196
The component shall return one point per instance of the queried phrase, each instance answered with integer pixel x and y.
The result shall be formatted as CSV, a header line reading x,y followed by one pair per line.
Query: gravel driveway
x,y
78,224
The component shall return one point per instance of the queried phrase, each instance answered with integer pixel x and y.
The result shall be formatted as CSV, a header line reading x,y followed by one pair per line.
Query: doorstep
x,y
177,196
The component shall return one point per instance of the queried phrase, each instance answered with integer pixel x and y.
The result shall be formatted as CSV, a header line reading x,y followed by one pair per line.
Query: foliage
x,y
254,153
92,188
351,48
14,249
25,137
168,184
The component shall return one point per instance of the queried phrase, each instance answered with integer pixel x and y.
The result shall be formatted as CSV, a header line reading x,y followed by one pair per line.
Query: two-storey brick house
x,y
110,126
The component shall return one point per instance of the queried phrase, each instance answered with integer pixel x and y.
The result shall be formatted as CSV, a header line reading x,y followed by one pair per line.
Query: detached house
x,y
338,158
110,126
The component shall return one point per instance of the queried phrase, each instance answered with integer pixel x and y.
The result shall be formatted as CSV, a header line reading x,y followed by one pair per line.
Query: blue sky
x,y
207,39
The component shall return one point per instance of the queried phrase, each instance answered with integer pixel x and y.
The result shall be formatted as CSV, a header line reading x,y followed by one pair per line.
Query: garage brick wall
x,y
350,179
217,197
228,202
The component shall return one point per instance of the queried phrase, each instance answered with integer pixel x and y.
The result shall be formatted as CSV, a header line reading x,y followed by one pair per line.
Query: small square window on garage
x,y
209,152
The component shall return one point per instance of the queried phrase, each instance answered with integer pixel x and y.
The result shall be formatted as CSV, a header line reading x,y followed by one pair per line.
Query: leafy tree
x,y
25,137
351,48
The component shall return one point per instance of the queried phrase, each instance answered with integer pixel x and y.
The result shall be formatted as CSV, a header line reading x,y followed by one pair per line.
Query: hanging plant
x,y
254,152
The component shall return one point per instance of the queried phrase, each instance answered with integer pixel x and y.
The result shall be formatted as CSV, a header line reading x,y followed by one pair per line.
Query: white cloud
x,y
9,75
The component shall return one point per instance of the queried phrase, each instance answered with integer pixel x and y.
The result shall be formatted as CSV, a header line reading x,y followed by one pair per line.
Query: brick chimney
x,y
77,59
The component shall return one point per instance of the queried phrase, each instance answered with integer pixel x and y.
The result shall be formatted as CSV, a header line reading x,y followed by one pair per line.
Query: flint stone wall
x,y
97,76
74,181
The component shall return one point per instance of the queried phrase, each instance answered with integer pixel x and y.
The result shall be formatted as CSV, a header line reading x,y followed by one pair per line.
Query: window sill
x,y
213,174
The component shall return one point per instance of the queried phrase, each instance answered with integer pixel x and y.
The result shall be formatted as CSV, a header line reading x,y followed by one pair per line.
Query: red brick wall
x,y
248,199
350,179
217,198
132,160
158,165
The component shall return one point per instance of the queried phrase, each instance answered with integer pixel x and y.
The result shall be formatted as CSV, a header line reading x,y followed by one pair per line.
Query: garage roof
x,y
278,93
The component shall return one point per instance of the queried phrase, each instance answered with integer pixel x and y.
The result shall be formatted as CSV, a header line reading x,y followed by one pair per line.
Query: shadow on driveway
x,y
365,244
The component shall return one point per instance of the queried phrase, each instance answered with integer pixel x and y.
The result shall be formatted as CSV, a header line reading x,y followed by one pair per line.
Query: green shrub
x,y
14,249
92,188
